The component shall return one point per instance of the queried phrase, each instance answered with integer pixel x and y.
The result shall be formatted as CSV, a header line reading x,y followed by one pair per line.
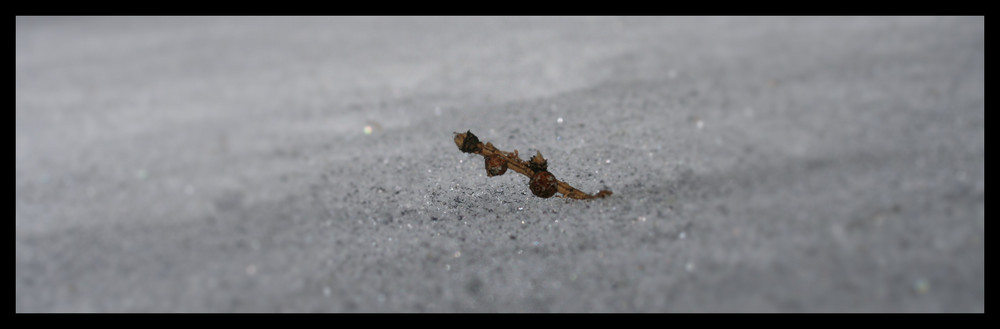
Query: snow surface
x,y
306,164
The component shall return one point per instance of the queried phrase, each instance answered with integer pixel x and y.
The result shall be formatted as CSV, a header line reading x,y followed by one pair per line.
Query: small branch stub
x,y
542,183
538,163
470,144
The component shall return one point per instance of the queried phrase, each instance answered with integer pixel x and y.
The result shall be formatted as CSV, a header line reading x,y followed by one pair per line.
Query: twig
x,y
543,184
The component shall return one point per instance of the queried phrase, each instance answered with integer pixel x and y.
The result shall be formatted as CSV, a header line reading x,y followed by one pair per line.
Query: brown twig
x,y
542,183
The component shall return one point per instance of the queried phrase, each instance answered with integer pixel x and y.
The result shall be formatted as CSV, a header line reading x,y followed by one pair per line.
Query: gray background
x,y
758,164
